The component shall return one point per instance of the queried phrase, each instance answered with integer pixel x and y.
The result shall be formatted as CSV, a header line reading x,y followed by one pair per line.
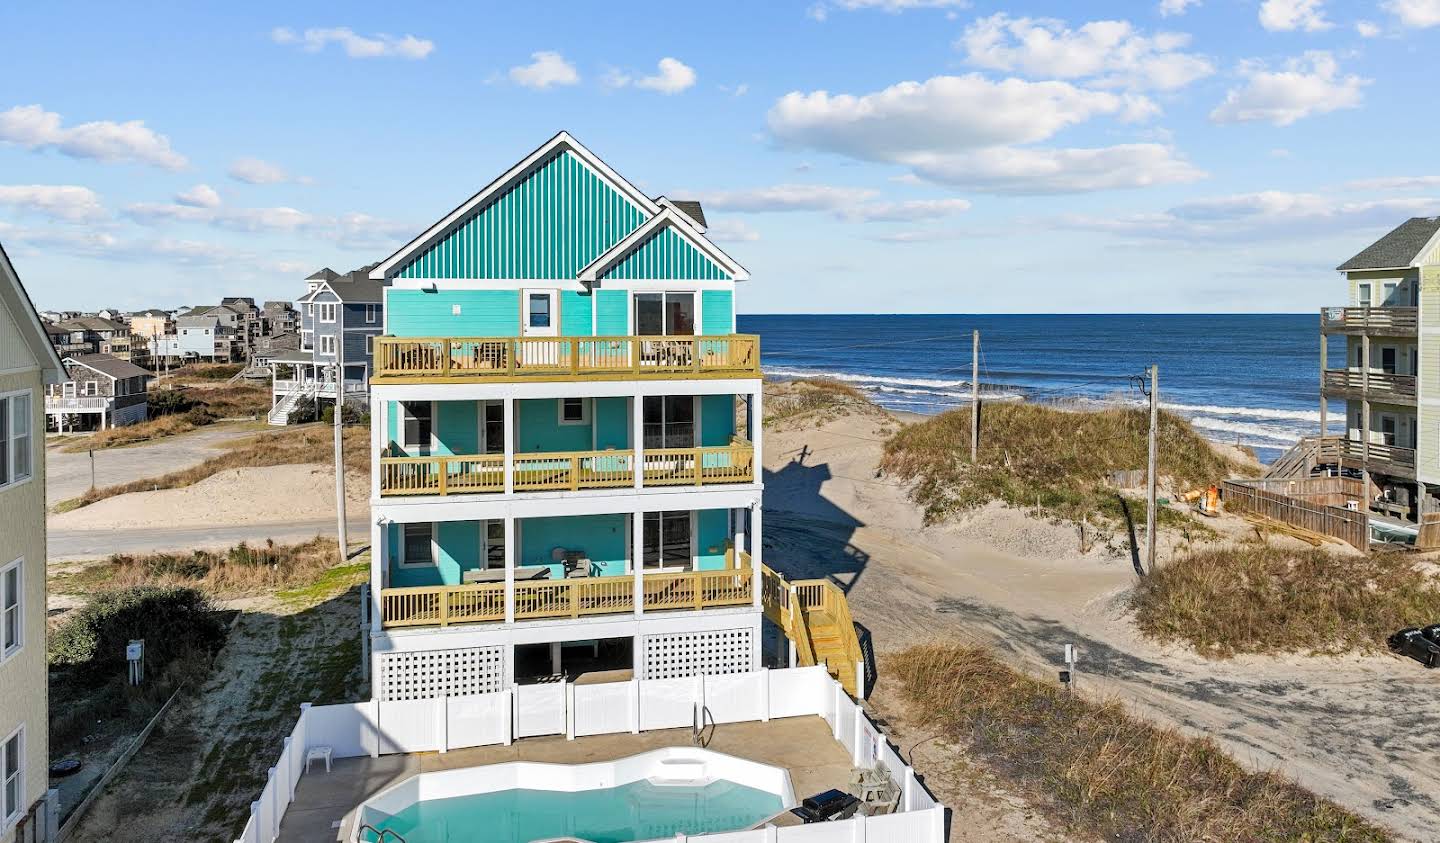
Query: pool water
x,y
635,811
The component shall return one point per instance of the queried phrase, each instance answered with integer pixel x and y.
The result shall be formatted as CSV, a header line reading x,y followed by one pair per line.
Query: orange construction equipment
x,y
1210,504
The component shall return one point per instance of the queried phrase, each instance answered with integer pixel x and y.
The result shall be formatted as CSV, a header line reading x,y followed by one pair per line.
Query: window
x,y
493,536
669,421
16,445
372,314
92,388
1389,357
667,540
539,310
12,763
416,547
415,427
327,311
493,432
310,310
574,411
307,340
370,345
327,345
664,314
1387,295
1364,295
12,615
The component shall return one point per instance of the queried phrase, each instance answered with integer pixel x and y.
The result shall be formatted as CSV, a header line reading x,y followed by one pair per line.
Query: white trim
x,y
566,389
1430,245
321,351
334,311
553,504
7,406
10,814
19,567
669,216
403,562
562,141
585,413
372,313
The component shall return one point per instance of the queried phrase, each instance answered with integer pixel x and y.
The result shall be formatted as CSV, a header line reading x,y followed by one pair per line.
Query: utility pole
x,y
975,399
344,538
1151,528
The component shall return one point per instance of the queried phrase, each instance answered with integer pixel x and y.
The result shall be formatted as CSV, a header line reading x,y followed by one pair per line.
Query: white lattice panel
x,y
680,654
426,674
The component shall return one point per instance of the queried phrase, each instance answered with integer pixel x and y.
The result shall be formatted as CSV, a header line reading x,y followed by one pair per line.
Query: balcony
x,y
1379,321
567,471
515,359
1384,459
1380,386
451,605
78,404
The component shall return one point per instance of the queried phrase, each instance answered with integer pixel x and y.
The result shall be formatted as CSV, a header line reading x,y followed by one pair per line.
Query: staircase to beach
x,y
815,616
1297,462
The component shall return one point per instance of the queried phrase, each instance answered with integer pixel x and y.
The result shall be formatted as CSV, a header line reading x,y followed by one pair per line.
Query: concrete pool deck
x,y
325,804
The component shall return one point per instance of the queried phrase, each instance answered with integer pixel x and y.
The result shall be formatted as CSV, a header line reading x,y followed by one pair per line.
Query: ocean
x,y
1251,379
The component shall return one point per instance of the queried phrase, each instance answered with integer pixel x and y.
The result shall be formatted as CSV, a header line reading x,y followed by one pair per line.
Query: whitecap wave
x,y
851,377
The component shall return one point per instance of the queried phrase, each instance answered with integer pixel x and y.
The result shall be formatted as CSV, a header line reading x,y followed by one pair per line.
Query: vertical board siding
x,y
667,254
712,530
601,537
611,311
612,423
483,313
575,314
551,224
717,312
717,420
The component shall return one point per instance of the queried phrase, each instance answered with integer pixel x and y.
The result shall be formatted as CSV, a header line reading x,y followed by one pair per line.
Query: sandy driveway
x,y
68,475
1360,731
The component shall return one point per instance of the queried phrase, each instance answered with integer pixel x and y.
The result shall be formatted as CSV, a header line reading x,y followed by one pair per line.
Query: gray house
x,y
340,317
100,391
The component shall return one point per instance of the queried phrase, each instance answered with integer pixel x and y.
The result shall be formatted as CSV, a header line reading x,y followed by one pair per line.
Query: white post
x,y
374,716
635,706
510,715
510,433
836,692
907,790
858,822
857,758
637,559
287,746
379,570
755,553
509,562
274,830
764,695
569,711
379,423
637,437
442,723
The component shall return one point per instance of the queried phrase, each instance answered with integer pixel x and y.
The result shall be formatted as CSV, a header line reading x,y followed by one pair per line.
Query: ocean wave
x,y
850,377
1247,412
1250,433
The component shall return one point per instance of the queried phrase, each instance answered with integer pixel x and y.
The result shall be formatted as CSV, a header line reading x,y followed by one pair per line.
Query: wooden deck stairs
x,y
815,616
1296,463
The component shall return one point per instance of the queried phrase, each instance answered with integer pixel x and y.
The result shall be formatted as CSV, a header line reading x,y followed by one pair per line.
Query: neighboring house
x,y
1388,376
27,364
86,334
111,313
339,315
560,457
268,348
280,317
151,323
99,391
197,338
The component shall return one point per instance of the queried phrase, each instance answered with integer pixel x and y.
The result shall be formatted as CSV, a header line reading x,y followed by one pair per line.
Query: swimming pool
x,y
649,796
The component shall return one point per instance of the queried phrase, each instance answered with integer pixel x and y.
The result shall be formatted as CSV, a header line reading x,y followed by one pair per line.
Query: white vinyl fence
x,y
382,728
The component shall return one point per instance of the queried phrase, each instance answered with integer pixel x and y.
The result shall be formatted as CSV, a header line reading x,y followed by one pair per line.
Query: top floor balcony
x,y
1374,321
517,359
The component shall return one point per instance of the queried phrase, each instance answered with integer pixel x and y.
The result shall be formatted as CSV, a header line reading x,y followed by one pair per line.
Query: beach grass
x,y
300,568
176,411
1101,771
814,401
1260,598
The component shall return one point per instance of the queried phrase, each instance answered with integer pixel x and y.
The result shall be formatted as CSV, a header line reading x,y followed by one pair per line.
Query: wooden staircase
x,y
815,616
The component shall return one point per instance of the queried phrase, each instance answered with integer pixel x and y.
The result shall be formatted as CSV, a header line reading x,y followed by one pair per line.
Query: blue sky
x,y
855,155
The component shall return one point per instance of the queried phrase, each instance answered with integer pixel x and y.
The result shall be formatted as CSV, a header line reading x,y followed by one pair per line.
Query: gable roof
x,y
691,209
323,274
668,220
354,287
109,366
1398,249
561,142
27,320
197,322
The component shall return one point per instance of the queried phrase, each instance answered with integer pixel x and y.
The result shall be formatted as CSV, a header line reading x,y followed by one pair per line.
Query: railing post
x,y
445,360
442,464
698,584
444,606
699,473
635,346
573,585
574,472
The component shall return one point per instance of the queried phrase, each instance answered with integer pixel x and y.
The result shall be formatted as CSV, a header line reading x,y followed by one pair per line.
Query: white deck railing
x,y
377,728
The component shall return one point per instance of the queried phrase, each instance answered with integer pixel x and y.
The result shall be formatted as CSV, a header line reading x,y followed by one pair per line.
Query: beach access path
x,y
1357,730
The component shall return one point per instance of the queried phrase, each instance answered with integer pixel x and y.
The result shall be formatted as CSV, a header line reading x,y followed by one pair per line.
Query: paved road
x,y
68,475
88,544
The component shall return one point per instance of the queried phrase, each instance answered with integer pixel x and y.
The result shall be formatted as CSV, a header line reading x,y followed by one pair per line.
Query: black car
x,y
1431,632
1413,642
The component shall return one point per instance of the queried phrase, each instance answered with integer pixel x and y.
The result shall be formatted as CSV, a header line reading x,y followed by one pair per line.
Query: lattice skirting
x,y
426,674
679,654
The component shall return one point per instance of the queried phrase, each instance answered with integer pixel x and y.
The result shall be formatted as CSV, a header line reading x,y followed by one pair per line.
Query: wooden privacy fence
x,y
1349,526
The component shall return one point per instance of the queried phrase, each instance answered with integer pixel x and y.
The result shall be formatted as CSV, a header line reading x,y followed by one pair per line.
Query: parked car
x,y
1413,642
1432,632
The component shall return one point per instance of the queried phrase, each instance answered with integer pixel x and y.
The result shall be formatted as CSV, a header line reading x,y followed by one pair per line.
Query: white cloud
x,y
67,202
1367,29
926,235
909,210
548,68
352,229
732,231
894,7
1396,183
672,77
1110,52
199,196
257,171
965,131
789,197
32,127
355,46
1169,8
1308,85
1290,15
1417,14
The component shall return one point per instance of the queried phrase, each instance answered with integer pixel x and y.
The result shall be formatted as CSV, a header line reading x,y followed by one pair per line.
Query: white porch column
x,y
509,567
637,558
737,523
637,437
756,430
755,552
379,569
510,433
379,420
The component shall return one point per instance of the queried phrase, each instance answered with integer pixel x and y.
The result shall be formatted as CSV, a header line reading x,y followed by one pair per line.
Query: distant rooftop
x,y
1397,249
109,365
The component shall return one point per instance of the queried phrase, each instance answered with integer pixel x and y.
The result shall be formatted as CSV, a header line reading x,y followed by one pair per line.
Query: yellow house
x,y
27,364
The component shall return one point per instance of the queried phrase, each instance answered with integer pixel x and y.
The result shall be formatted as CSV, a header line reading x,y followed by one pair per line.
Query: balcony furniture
x,y
1377,321
500,359
319,753
493,575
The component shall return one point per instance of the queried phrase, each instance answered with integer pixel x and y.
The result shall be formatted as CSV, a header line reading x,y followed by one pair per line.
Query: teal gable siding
x,y
712,528
612,423
717,420
667,254
551,224
601,537
483,313
611,312
458,550
541,431
717,312
576,310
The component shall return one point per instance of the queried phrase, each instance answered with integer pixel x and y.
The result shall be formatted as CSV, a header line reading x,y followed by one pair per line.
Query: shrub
x,y
172,621
351,414
169,402
199,416
305,410
238,570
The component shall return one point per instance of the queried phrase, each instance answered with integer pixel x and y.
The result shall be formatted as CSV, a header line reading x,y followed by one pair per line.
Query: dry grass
x,y
1256,598
1104,772
204,372
242,569
290,446
1052,460
203,406
814,401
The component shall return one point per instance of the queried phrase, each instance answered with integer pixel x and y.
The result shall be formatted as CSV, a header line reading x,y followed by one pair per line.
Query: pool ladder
x,y
698,719
377,831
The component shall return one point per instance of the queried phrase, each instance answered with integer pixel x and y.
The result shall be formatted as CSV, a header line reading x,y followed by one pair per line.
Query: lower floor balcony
x,y
1379,457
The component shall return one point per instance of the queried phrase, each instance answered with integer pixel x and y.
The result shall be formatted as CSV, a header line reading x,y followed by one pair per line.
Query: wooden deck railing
x,y
1377,320
1381,385
447,605
1350,526
498,359
1388,459
568,470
